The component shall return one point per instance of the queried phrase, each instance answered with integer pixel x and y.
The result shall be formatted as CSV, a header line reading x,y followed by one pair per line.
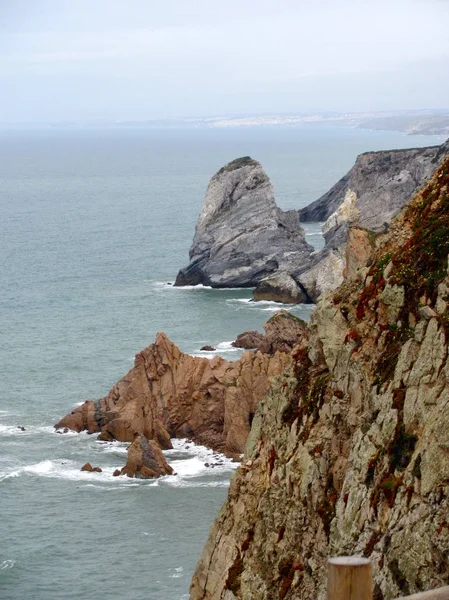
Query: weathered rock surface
x,y
280,287
368,198
90,469
348,453
170,394
283,331
249,340
145,460
378,186
241,235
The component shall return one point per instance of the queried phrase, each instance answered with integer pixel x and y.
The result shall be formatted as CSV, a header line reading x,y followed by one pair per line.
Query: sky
x,y
84,60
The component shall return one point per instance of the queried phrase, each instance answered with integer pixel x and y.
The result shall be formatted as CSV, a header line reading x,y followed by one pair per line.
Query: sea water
x,y
94,226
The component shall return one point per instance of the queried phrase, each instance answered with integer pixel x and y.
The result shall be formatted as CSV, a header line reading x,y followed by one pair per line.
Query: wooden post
x,y
349,578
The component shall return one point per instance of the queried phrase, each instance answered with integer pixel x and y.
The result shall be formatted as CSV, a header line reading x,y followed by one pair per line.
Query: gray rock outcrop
x,y
378,186
368,197
241,235
280,287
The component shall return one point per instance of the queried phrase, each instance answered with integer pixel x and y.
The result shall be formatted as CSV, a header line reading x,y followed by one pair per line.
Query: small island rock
x,y
241,235
145,460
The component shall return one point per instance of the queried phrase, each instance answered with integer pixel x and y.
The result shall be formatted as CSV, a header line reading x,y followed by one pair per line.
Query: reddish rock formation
x,y
145,460
249,340
88,467
171,394
283,332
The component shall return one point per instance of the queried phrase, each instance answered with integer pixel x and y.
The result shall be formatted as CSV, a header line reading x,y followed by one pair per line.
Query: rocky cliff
x,y
241,235
348,453
379,183
368,197
169,394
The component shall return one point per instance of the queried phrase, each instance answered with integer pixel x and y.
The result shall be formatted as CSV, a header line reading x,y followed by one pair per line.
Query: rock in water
x,y
248,340
241,235
280,287
89,468
145,460
172,394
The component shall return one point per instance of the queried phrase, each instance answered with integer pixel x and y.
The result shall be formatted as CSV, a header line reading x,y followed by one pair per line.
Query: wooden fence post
x,y
349,578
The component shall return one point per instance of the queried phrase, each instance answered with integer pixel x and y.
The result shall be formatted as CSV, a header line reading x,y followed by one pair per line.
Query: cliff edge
x,y
348,453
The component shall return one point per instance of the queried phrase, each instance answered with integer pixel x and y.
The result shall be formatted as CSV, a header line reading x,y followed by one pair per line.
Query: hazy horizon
x,y
65,61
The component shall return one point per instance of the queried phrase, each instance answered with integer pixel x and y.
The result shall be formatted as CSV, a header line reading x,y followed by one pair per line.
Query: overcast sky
x,y
145,59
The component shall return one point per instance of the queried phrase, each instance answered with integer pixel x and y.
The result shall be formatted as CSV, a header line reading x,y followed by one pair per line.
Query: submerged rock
x,y
207,348
241,235
145,460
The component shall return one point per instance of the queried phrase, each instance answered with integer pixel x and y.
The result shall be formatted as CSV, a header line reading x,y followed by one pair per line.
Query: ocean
x,y
94,226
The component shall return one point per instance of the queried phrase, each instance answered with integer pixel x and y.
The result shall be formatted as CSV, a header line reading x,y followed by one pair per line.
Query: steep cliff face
x,y
379,181
368,197
170,394
348,453
241,235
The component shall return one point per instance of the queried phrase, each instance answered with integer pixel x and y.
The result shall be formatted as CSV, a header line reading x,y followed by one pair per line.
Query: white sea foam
x,y
221,348
114,447
15,430
192,471
227,346
169,285
58,469
10,430
7,564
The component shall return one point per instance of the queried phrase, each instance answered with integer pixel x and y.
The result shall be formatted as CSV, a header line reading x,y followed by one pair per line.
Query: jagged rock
x,y
368,197
248,340
208,348
117,473
170,394
280,287
348,450
378,186
283,332
88,467
241,235
145,460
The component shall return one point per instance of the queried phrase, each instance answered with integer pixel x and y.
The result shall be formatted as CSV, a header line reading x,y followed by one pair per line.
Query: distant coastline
x,y
411,122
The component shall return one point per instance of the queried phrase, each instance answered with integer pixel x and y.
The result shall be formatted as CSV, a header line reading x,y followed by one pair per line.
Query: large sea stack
x,y
241,235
